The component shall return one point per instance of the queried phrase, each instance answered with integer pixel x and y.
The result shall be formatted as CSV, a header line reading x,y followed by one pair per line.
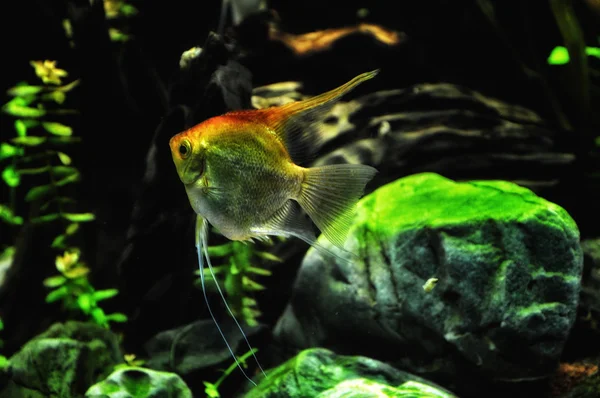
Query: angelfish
x,y
242,174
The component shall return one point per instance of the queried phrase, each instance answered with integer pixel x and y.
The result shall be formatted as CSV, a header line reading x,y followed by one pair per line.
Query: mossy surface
x,y
63,361
507,265
135,382
430,200
322,374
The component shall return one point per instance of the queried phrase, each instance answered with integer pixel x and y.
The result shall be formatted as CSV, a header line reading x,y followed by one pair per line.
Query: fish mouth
x,y
187,177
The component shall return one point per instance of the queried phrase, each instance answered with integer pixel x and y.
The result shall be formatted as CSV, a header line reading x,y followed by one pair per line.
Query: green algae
x,y
430,200
320,373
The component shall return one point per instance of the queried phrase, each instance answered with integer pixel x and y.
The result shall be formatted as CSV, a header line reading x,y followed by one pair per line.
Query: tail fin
x,y
202,248
329,195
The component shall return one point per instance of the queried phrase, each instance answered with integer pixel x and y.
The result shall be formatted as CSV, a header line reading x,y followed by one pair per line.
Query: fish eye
x,y
185,149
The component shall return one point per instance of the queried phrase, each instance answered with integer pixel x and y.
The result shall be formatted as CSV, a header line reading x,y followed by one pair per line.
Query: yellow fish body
x,y
242,174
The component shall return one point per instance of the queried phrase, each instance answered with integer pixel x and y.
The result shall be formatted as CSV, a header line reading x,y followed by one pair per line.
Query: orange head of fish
x,y
187,150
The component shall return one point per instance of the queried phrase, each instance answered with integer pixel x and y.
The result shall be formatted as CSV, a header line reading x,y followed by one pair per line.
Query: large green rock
x,y
320,373
508,265
135,382
62,362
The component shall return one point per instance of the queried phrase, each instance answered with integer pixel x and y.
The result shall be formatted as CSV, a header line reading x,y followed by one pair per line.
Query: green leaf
x,y
45,218
104,294
128,10
21,101
7,254
79,217
593,51
57,199
220,251
55,281
4,362
62,171
29,140
57,294
85,302
57,96
117,317
1,324
7,215
68,180
117,35
250,285
59,242
8,151
24,90
577,82
269,256
20,128
57,129
64,158
99,316
72,228
17,110
37,170
558,56
36,193
211,390
259,271
10,176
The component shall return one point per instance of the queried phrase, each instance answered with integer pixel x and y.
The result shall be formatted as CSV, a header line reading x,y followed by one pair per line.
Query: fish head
x,y
189,157
190,153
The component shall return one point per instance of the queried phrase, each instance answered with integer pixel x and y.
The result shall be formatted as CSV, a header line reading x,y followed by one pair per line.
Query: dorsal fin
x,y
294,123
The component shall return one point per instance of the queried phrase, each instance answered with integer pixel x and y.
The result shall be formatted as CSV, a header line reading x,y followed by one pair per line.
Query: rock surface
x,y
62,362
508,265
180,350
321,373
140,383
441,127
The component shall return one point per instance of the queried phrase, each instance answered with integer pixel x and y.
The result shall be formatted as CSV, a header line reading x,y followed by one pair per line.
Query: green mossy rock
x,y
508,264
136,382
320,373
62,362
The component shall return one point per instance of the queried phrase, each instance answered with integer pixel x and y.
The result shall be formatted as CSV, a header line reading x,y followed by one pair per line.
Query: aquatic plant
x,y
40,154
560,55
130,361
73,288
237,272
115,11
3,359
572,96
37,152
212,389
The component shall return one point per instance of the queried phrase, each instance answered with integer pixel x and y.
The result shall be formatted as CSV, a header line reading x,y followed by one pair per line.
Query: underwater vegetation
x,y
317,199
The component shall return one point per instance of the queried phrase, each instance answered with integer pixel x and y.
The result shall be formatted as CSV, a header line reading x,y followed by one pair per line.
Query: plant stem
x,y
231,367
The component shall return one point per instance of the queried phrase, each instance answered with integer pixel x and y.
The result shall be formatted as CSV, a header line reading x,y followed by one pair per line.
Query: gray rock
x,y
181,350
590,299
135,382
508,265
62,362
435,127
321,373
